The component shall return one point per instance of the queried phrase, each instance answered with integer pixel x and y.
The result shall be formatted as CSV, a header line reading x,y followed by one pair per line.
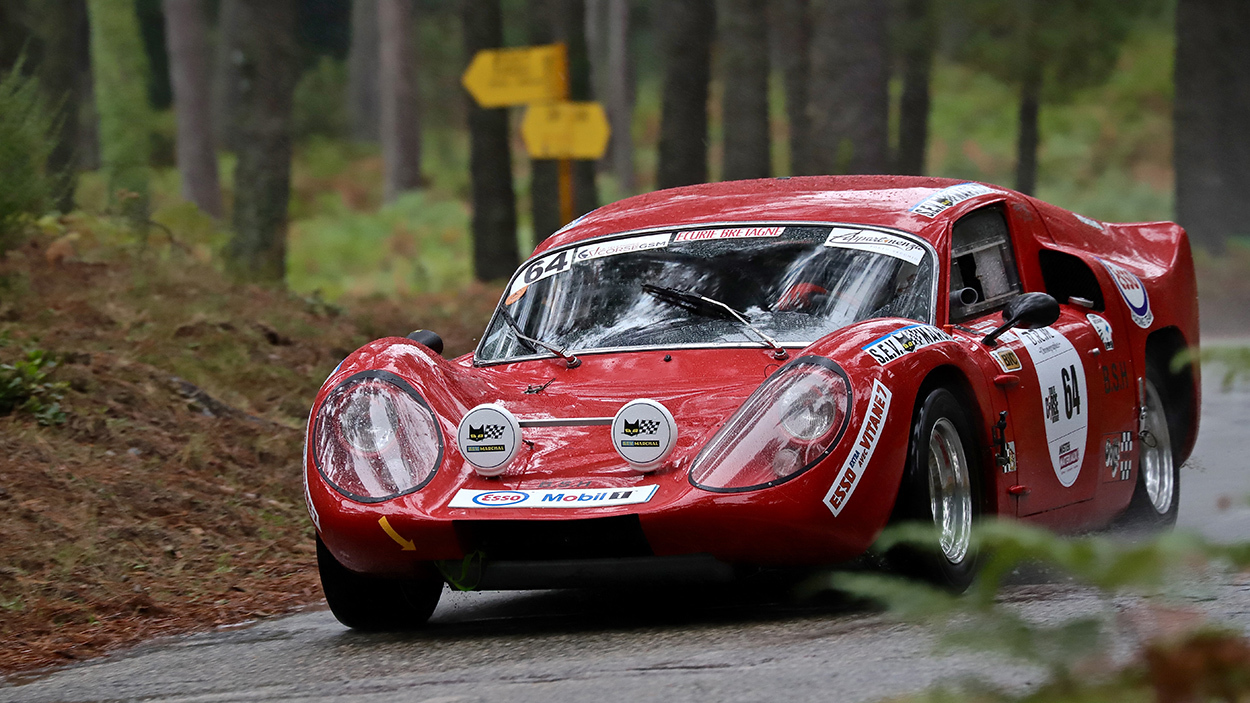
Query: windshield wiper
x,y
709,307
534,344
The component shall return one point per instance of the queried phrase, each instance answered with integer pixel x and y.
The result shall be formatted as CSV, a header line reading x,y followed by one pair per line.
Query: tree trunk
x,y
495,253
790,32
1211,126
363,101
848,102
544,173
267,66
62,25
620,95
88,140
120,67
226,73
397,83
186,31
744,48
573,33
1029,137
686,44
919,38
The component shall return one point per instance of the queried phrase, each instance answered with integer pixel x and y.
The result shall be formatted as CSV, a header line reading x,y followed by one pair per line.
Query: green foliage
x,y
320,105
1231,359
120,70
417,244
24,387
1073,43
1106,152
980,620
26,140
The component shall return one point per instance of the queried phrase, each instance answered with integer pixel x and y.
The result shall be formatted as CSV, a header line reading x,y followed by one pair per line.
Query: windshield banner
x,y
733,233
877,243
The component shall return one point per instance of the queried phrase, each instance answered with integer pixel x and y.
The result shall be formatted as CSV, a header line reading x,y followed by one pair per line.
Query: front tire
x,y
941,487
375,604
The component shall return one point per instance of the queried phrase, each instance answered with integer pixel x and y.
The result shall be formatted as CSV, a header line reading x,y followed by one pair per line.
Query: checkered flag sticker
x,y
478,434
641,427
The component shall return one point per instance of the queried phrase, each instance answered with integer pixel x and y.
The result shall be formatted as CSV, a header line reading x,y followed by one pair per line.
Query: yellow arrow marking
x,y
408,545
503,77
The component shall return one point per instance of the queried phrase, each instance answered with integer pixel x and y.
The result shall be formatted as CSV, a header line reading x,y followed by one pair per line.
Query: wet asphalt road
x,y
737,643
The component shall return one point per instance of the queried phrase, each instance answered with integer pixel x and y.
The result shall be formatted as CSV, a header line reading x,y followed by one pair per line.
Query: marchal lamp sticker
x,y
643,433
488,438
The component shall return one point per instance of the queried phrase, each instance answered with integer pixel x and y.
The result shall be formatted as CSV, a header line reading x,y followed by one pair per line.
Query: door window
x,y
982,260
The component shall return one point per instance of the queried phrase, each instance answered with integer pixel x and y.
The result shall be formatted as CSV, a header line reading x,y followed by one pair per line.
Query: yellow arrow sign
x,y
565,130
405,544
503,77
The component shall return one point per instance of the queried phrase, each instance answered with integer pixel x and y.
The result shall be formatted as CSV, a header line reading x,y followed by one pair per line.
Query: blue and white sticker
x,y
553,498
904,341
948,198
1133,292
1103,328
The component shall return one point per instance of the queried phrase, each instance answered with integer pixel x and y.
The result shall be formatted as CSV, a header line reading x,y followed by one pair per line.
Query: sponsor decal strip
x,y
949,197
730,233
865,444
904,341
877,243
553,498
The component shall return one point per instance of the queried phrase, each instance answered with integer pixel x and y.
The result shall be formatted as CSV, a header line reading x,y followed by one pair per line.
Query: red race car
x,y
698,381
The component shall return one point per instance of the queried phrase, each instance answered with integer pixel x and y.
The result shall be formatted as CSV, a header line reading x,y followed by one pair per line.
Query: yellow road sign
x,y
565,130
503,77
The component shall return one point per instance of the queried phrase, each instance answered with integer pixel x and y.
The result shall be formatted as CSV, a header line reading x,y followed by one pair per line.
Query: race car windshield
x,y
795,284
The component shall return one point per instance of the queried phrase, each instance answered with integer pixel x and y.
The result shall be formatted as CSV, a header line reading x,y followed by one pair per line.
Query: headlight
x,y
375,438
784,428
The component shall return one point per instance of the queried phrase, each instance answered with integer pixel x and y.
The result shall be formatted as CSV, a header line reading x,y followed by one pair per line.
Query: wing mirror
x,y
1029,311
429,339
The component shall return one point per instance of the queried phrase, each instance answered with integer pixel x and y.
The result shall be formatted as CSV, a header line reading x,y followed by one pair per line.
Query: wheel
x,y
376,604
941,487
1157,493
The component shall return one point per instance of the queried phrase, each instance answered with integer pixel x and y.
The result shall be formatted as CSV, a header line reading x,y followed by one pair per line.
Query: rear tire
x,y
1157,493
941,487
375,604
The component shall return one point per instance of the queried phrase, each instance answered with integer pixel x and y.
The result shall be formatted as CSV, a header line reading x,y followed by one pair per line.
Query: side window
x,y
983,267
1067,277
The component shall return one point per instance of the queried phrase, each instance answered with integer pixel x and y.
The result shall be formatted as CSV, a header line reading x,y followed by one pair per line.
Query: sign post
x,y
553,127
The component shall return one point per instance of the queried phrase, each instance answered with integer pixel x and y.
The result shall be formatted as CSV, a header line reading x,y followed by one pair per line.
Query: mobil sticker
x,y
553,498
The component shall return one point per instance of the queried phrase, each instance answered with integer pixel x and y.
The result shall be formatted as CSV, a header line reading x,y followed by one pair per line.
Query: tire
x,y
943,461
375,604
1157,493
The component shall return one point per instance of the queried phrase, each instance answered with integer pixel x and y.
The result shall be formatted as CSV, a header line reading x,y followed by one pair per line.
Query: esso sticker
x,y
1133,293
499,498
1065,413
